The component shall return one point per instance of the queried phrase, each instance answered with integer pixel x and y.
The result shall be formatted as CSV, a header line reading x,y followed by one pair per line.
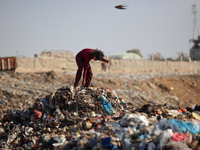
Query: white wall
x,y
47,64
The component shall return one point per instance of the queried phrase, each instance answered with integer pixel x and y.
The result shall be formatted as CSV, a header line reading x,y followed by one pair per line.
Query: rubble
x,y
94,118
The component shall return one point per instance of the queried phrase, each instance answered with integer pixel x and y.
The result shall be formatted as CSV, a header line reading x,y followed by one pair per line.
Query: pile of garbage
x,y
97,119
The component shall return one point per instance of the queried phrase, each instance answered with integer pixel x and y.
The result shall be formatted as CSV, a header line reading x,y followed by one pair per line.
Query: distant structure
x,y
56,54
8,63
195,50
126,56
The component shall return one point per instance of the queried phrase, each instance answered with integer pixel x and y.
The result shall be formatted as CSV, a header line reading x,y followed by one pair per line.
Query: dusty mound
x,y
118,111
179,90
19,90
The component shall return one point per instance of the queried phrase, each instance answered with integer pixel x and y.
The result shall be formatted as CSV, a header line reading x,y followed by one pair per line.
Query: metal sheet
x,y
7,63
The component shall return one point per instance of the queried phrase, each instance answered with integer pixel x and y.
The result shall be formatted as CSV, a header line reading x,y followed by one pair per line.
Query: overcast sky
x,y
28,27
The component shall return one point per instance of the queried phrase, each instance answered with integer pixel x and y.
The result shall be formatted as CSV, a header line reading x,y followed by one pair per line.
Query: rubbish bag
x,y
123,136
136,119
165,124
176,145
186,127
164,138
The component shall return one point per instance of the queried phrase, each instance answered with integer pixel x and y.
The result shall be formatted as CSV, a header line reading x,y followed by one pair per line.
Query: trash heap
x,y
97,119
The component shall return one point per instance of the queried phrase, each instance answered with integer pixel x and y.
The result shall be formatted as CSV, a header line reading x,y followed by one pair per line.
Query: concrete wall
x,y
58,54
47,64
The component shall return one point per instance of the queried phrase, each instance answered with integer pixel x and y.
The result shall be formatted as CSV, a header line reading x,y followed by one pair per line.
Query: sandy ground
x,y
19,90
180,90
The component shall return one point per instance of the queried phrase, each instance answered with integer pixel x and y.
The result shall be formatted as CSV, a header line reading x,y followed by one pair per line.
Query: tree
x,y
156,56
182,56
137,51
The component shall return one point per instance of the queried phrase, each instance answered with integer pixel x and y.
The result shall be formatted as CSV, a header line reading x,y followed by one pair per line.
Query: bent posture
x,y
82,59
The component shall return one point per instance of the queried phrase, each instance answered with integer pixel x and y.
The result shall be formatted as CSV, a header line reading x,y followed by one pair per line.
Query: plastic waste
x,y
144,142
176,145
171,112
179,136
44,101
196,115
189,127
107,106
28,130
151,146
107,142
114,94
38,113
59,138
125,105
11,137
123,136
163,138
137,131
134,119
165,124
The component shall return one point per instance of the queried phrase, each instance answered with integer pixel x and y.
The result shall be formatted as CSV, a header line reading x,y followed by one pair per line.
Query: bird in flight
x,y
120,7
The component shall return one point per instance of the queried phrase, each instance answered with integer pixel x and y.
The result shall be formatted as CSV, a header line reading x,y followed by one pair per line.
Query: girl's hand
x,y
106,60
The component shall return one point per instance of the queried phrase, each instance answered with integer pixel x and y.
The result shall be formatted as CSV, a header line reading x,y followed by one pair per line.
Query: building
x,y
126,56
195,50
56,54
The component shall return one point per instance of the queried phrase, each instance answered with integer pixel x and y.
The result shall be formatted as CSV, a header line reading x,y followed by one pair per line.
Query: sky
x,y
28,27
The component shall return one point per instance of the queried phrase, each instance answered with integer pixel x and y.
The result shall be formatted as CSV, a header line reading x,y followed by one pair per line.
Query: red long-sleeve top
x,y
85,56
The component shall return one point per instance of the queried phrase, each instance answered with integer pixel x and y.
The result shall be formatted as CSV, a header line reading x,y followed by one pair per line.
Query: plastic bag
x,y
165,124
188,127
107,106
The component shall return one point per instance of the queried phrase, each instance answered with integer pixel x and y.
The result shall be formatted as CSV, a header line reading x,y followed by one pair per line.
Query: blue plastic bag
x,y
107,144
107,106
185,126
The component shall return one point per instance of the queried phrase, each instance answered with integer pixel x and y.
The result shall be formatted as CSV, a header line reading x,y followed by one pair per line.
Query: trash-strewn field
x,y
119,111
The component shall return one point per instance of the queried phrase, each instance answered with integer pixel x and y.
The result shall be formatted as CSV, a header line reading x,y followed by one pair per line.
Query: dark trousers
x,y
79,73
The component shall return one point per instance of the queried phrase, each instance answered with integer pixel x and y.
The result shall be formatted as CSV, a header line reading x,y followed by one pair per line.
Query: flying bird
x,y
120,7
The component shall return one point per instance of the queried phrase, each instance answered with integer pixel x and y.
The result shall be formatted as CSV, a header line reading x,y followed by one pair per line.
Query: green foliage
x,y
182,56
136,51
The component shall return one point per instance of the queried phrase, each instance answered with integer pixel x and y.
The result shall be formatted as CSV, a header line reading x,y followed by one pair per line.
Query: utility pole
x,y
194,11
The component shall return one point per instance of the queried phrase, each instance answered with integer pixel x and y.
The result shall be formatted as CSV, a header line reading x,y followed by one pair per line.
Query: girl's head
x,y
98,54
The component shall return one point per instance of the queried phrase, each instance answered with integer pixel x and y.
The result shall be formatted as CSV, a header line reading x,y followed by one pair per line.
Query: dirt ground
x,y
20,91
185,88
178,90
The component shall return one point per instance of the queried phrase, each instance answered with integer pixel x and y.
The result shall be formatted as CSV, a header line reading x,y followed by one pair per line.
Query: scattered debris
x,y
93,118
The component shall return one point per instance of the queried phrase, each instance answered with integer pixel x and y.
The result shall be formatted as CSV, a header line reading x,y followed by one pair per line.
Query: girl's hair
x,y
98,54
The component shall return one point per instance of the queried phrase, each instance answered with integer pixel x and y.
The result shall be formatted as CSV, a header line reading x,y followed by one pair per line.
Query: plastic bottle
x,y
107,106
114,94
103,98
